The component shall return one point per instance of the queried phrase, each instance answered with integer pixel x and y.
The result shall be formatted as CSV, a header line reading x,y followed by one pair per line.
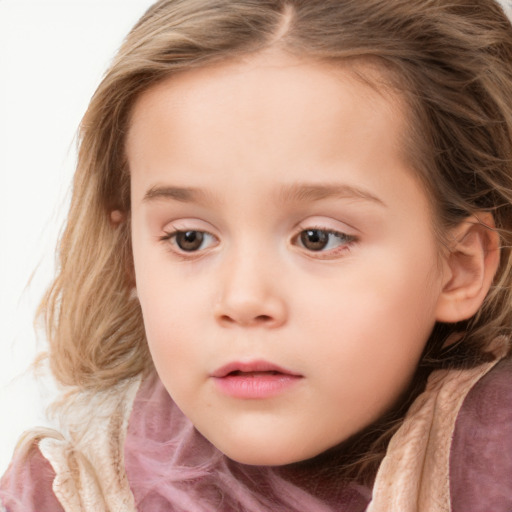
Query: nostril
x,y
260,319
226,319
263,319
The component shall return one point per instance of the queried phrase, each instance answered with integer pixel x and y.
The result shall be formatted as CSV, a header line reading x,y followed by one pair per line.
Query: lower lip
x,y
256,386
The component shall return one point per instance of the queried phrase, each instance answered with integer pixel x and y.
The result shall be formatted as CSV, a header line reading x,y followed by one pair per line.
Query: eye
x,y
190,240
317,240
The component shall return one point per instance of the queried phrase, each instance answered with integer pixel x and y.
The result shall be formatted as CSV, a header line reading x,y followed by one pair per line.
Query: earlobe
x,y
471,264
117,217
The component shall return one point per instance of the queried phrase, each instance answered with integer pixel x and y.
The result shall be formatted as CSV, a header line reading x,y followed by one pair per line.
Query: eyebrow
x,y
317,192
181,194
286,194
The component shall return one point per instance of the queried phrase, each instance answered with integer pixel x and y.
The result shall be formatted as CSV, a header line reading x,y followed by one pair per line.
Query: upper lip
x,y
251,366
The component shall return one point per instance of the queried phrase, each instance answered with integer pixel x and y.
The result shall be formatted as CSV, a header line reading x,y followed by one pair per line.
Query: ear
x,y
470,264
117,217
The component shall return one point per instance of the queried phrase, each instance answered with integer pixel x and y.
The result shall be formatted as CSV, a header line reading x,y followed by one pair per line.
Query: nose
x,y
250,295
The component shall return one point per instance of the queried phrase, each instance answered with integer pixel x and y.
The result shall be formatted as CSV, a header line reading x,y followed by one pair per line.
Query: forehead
x,y
314,91
269,120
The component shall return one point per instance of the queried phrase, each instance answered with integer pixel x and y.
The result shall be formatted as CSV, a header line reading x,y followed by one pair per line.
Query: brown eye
x,y
324,240
189,240
314,239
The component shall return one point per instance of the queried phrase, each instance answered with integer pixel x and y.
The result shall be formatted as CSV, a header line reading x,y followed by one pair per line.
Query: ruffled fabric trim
x,y
89,461
414,476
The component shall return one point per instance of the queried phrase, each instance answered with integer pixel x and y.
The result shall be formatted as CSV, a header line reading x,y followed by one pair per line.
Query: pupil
x,y
314,239
189,240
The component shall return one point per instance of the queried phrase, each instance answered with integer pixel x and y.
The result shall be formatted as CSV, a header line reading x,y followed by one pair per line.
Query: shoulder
x,y
27,484
84,464
481,453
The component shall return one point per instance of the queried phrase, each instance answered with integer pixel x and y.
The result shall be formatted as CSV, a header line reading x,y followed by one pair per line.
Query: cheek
x,y
173,310
172,345
375,321
168,314
162,291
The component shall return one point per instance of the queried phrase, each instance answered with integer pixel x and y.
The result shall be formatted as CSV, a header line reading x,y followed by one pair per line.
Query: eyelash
x,y
346,241
170,239
345,245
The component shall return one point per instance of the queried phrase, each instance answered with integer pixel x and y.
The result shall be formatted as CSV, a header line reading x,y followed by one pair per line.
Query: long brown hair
x,y
450,61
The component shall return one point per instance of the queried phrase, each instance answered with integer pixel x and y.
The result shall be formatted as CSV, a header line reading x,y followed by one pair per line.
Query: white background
x,y
52,57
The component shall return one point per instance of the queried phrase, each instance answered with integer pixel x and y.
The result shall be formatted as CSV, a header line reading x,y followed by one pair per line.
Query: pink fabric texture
x,y
171,467
27,484
481,454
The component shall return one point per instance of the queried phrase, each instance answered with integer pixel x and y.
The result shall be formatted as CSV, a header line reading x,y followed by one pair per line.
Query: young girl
x,y
285,281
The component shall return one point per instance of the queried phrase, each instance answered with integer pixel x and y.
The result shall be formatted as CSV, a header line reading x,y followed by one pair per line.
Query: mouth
x,y
252,369
254,380
239,373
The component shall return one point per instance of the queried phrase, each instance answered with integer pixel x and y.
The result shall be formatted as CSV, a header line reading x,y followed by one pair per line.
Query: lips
x,y
254,380
253,367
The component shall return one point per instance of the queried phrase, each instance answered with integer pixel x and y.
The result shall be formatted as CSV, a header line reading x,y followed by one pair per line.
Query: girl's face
x,y
284,253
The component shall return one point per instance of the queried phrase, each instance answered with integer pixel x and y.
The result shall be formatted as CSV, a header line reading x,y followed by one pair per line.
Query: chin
x,y
259,459
267,455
